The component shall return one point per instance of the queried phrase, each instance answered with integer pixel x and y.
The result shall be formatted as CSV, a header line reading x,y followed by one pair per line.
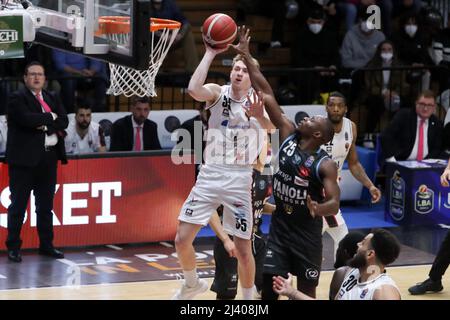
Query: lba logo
x,y
424,200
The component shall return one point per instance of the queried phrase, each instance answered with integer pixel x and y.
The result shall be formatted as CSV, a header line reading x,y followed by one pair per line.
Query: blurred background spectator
x,y
168,9
80,74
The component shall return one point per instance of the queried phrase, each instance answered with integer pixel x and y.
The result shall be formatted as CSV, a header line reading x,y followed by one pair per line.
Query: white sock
x,y
248,293
190,277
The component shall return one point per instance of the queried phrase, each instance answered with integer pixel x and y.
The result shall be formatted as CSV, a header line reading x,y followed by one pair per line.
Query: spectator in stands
x,y
414,134
385,89
86,74
3,134
329,7
316,47
412,50
360,43
349,10
84,135
391,11
135,132
279,11
441,56
168,9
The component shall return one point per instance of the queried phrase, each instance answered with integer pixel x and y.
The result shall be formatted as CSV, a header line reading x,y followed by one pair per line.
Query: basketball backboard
x,y
73,25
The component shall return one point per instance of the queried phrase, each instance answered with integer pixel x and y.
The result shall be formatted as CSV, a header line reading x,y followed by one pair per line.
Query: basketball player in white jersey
x,y
364,279
342,148
233,142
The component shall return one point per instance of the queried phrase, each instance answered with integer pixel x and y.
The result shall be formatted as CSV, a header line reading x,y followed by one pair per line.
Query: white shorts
x,y
333,221
221,185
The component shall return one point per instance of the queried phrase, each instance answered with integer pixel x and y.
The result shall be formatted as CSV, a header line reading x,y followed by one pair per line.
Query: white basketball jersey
x,y
232,138
352,289
339,147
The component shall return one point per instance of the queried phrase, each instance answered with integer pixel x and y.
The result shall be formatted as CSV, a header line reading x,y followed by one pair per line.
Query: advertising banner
x,y
414,194
11,37
109,201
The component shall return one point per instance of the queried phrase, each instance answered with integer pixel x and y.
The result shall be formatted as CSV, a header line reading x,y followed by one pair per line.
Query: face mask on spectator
x,y
411,30
386,56
367,26
315,27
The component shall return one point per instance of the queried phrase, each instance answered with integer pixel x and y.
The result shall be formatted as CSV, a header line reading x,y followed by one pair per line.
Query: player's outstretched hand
x,y
256,107
283,286
375,193
445,177
244,39
312,206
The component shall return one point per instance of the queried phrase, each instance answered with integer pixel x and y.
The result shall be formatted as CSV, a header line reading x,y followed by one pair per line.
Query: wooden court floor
x,y
404,276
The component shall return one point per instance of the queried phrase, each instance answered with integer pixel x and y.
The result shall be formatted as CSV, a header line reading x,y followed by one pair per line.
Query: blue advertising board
x,y
414,194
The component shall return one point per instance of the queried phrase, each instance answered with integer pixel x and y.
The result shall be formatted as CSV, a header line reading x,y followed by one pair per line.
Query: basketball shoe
x,y
188,293
427,285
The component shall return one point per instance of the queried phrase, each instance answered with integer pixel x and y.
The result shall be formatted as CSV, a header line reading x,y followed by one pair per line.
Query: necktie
x,y
420,147
137,141
43,103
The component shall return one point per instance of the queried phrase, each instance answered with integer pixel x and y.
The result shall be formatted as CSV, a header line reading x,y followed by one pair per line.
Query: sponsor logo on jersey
x,y
286,177
304,172
188,212
311,274
363,293
346,137
269,253
288,209
347,145
285,190
309,161
301,182
224,123
424,200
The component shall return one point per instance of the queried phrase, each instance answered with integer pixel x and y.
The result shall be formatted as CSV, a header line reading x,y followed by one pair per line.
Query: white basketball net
x,y
131,82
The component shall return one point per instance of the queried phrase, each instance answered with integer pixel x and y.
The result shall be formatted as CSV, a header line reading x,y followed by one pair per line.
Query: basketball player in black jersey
x,y
305,189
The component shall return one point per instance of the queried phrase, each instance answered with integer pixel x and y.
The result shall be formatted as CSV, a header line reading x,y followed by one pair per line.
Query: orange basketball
x,y
219,30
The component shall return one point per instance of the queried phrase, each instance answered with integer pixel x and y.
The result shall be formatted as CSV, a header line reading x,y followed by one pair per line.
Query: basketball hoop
x,y
129,81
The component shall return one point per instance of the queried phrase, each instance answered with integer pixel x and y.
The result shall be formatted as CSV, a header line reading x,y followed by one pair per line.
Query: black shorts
x,y
280,260
226,275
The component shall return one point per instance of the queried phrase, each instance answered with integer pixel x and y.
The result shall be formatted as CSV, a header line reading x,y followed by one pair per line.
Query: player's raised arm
x,y
260,83
197,88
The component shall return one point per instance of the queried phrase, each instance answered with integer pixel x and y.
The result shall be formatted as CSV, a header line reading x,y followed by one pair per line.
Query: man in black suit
x,y
135,132
36,123
414,134
442,259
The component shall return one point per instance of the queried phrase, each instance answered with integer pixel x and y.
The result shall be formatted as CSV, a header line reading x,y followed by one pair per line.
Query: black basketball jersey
x,y
260,191
297,177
